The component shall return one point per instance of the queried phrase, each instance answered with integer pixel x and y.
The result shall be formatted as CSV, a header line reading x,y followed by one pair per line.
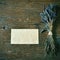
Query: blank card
x,y
24,36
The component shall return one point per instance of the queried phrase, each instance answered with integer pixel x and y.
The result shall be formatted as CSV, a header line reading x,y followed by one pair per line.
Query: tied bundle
x,y
48,17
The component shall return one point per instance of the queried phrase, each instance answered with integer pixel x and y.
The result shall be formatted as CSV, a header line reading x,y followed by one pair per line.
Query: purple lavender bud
x,y
44,18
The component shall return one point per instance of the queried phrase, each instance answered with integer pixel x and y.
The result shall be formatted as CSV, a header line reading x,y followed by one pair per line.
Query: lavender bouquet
x,y
48,17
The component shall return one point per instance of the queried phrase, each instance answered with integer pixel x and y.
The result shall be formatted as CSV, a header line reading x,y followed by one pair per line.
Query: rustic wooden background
x,y
20,14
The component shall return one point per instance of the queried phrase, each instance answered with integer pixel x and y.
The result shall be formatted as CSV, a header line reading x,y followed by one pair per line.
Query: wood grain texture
x,y
24,14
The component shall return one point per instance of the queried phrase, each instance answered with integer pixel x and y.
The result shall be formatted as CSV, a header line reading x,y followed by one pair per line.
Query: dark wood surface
x,y
24,14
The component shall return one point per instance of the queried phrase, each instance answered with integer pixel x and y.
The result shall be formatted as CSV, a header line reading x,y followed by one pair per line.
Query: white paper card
x,y
24,36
